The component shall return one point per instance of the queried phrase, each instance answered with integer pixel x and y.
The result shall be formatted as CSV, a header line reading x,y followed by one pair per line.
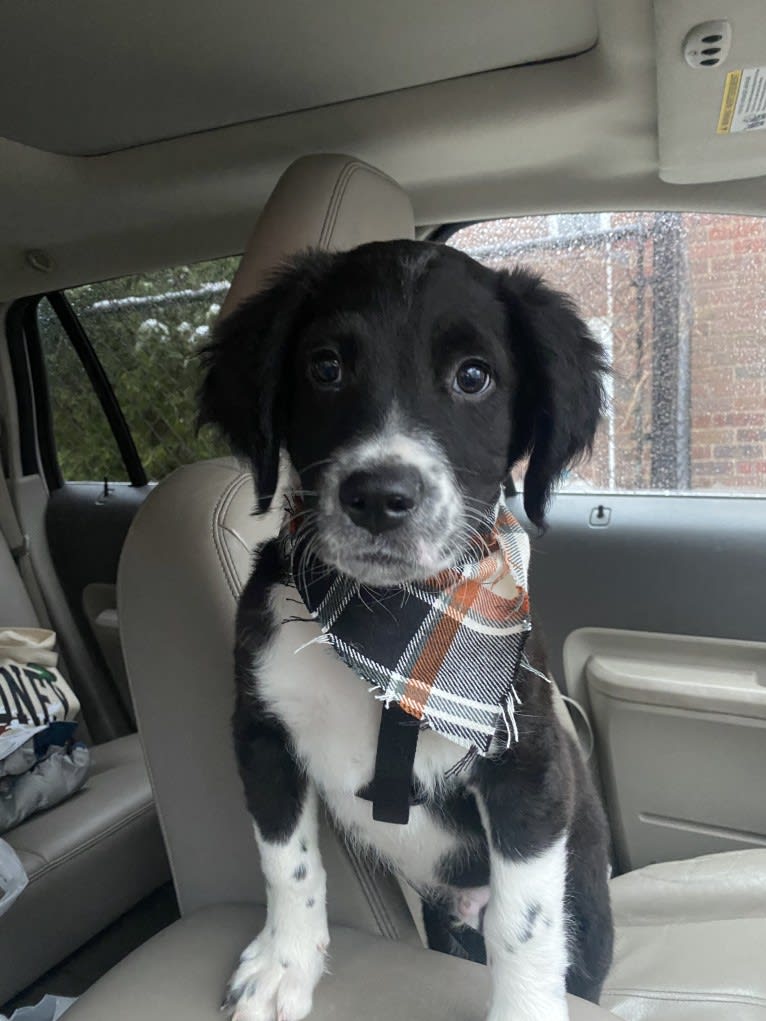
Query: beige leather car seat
x,y
184,674
185,561
89,858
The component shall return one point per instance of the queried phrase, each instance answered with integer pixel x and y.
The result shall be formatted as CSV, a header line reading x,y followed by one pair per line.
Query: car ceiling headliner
x,y
574,133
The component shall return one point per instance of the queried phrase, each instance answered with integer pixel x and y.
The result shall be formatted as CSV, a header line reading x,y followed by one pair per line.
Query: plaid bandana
x,y
445,650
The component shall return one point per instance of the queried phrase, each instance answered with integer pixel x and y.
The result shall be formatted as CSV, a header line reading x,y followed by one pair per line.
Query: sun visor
x,y
87,77
711,90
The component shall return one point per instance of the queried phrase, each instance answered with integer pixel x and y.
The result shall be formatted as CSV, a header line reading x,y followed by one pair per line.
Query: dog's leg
x,y
525,934
278,971
525,803
590,916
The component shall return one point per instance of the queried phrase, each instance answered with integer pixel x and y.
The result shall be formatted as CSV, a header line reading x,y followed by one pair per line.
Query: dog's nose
x,y
381,499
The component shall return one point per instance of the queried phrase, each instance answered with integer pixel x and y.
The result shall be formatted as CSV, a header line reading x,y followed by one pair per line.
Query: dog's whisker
x,y
314,464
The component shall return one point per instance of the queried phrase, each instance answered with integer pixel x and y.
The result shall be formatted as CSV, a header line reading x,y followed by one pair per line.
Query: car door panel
x,y
86,524
615,588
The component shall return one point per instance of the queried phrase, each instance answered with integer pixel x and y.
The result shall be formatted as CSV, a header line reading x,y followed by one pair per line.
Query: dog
x,y
404,381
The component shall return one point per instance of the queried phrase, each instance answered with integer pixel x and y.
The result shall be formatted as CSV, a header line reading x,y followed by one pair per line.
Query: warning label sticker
x,y
743,107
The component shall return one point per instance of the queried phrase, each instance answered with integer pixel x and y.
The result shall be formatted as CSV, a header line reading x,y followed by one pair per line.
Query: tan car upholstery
x,y
691,937
674,962
330,202
180,974
90,858
184,563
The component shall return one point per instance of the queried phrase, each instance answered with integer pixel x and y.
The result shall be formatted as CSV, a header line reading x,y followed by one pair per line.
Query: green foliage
x,y
146,331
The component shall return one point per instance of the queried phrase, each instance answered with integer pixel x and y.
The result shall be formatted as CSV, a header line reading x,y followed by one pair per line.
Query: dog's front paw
x,y
275,978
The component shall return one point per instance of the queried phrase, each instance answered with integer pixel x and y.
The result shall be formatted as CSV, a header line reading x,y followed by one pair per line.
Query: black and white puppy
x,y
431,376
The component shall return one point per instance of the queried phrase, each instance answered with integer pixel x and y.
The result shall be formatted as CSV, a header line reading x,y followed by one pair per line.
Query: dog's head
x,y
404,380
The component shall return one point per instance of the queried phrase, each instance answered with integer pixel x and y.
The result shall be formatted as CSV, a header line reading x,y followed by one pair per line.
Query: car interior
x,y
157,163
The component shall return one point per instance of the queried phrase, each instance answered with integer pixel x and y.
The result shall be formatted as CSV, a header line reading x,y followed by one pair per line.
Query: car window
x,y
678,301
145,331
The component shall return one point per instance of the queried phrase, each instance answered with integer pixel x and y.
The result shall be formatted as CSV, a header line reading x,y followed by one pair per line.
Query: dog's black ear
x,y
245,389
561,395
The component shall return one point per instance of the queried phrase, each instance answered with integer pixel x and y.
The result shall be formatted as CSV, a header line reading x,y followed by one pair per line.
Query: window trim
x,y
38,375
37,448
101,385
28,327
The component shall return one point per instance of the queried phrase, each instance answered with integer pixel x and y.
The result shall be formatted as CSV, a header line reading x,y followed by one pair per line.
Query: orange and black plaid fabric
x,y
447,649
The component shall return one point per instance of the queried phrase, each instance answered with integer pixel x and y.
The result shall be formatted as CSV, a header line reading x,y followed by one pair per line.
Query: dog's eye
x,y
326,368
472,377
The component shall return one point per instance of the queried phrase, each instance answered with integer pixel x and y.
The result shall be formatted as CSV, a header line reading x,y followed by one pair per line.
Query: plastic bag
x,y
50,1008
55,778
13,878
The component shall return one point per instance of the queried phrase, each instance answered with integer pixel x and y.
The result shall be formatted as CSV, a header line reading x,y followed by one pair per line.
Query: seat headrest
x,y
325,201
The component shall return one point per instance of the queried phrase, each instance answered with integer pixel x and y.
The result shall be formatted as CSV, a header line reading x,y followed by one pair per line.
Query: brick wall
x,y
727,276
722,309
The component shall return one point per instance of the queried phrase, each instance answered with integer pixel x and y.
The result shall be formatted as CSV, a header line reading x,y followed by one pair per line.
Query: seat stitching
x,y
224,501
328,224
344,179
651,923
352,170
355,868
225,529
679,994
92,842
379,910
215,526
699,879
375,902
235,537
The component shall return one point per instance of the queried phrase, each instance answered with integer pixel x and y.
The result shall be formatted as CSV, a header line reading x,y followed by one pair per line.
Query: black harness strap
x,y
391,787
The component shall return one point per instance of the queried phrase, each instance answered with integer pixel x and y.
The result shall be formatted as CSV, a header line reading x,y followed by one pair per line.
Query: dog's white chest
x,y
333,720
